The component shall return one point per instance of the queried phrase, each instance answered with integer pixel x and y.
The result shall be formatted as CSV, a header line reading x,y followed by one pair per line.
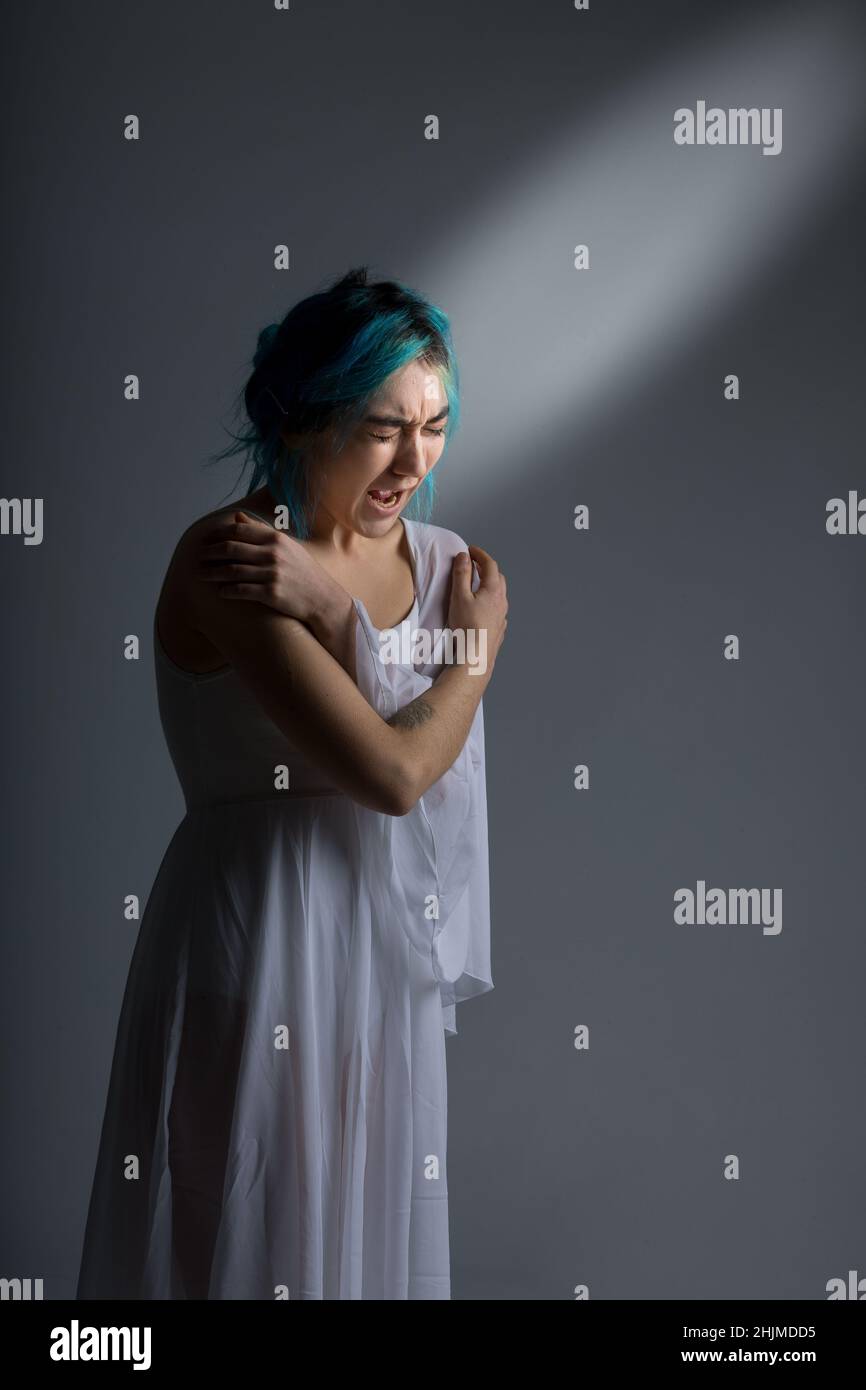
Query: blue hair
x,y
319,368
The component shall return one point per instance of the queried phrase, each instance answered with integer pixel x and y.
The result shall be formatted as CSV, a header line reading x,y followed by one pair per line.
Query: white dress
x,y
275,1125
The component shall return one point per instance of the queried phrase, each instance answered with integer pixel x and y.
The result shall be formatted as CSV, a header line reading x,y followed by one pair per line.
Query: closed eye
x,y
387,438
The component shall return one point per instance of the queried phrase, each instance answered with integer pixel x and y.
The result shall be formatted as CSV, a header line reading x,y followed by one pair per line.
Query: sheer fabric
x,y
276,1120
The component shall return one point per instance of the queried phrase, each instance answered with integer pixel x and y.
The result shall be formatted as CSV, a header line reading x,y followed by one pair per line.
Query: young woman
x,y
276,1118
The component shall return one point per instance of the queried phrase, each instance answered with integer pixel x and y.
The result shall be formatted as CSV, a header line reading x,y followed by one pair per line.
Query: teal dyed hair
x,y
319,368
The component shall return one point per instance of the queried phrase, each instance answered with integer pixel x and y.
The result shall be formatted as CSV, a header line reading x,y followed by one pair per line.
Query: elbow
x,y
396,792
389,801
387,787
398,799
389,779
401,804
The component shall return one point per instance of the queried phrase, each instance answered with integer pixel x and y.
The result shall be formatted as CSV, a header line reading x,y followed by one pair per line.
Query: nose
x,y
410,461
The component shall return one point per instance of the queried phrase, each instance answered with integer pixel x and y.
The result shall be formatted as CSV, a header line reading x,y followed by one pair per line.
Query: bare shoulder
x,y
177,618
186,551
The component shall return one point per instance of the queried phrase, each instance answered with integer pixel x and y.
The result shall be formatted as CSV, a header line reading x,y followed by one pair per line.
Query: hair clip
x,y
276,398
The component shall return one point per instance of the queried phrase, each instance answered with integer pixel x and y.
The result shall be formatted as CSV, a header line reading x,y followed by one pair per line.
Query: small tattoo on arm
x,y
411,715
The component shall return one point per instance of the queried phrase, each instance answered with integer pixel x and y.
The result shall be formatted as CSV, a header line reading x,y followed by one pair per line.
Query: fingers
x,y
243,591
240,526
487,566
232,571
247,519
214,552
461,575
225,572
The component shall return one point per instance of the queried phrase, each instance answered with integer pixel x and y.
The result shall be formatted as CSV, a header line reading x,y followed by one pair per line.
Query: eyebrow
x,y
401,419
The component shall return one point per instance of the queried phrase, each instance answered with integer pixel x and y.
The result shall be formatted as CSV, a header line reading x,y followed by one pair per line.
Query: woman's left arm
x,y
248,559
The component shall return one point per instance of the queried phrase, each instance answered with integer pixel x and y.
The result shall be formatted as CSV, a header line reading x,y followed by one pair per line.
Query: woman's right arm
x,y
385,765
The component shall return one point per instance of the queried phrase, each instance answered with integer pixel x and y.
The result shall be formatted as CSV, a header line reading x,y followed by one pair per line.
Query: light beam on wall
x,y
674,234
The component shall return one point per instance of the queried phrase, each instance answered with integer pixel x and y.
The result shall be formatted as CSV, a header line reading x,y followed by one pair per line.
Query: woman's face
x,y
368,484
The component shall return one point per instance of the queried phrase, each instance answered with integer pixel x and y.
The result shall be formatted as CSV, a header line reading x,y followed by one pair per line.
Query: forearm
x,y
433,728
334,626
428,732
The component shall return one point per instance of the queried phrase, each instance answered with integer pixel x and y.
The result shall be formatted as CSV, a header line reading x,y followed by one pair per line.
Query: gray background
x,y
707,517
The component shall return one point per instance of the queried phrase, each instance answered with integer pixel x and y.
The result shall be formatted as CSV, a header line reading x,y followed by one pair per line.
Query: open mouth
x,y
387,500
